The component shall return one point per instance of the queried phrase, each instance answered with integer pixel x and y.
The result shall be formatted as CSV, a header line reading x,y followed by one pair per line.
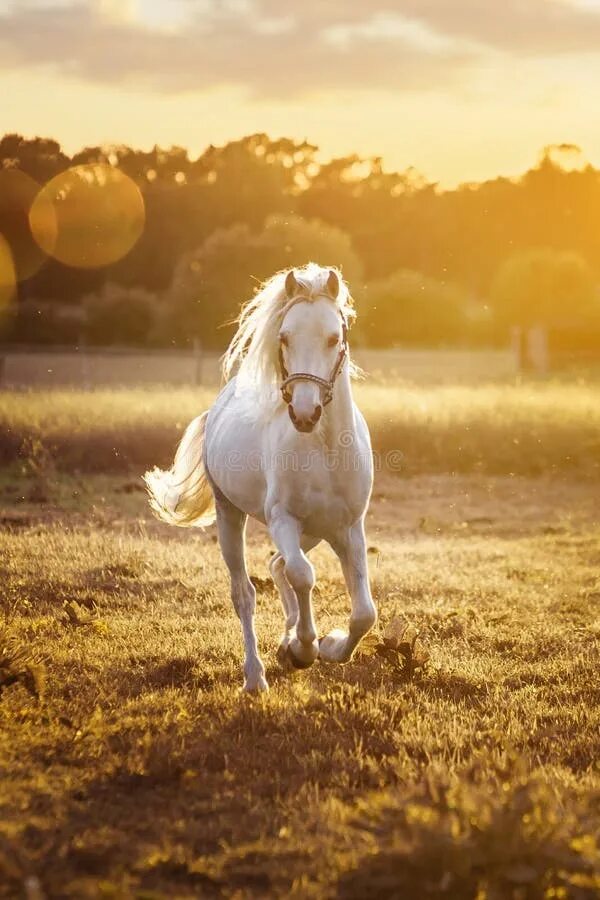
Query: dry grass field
x,y
542,428
132,767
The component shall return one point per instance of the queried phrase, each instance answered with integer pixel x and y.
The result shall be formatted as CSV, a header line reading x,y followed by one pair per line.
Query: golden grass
x,y
530,428
141,772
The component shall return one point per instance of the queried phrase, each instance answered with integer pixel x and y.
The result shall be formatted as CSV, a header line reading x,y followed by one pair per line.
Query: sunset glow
x,y
459,91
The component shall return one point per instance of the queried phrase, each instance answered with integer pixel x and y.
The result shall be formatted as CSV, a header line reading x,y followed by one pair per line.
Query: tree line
x,y
426,266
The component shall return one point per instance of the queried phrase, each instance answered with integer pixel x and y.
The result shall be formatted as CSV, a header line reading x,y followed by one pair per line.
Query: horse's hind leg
x,y
289,601
231,526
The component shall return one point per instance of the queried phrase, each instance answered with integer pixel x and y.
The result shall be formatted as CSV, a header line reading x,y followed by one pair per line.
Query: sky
x,y
461,90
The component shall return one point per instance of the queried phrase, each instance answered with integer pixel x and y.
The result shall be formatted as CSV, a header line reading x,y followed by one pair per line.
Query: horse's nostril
x,y
304,422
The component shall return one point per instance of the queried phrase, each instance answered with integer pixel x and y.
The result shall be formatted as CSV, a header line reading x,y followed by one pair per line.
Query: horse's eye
x,y
332,340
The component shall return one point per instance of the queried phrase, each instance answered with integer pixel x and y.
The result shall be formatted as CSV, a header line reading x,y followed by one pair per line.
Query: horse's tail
x,y
183,495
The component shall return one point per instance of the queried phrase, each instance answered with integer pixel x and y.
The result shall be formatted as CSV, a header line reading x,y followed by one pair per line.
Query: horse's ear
x,y
292,288
333,284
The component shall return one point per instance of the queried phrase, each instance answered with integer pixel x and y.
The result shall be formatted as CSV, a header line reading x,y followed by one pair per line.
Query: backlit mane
x,y
252,353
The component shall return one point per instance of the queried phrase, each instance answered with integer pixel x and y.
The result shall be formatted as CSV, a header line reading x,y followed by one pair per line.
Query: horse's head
x,y
312,349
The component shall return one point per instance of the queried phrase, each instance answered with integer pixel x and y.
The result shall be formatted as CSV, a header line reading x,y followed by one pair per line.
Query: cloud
x,y
519,27
239,44
282,49
530,27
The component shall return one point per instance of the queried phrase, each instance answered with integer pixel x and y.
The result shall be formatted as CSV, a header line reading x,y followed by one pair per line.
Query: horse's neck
x,y
340,412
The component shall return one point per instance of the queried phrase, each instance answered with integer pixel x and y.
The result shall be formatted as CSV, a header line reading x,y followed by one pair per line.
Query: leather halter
x,y
326,384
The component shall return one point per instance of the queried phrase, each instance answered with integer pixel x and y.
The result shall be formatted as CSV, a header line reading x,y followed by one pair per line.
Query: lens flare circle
x,y
18,192
99,214
8,274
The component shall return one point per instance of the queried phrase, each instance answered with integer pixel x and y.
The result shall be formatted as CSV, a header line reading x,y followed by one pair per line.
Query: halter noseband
x,y
326,384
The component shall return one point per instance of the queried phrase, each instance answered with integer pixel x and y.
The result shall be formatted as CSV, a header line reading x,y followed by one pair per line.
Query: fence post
x,y
516,343
537,349
85,363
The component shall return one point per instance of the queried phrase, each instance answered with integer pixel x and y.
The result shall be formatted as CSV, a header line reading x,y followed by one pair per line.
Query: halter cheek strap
x,y
326,384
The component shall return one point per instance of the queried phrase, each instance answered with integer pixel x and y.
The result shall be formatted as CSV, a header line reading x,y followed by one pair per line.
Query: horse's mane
x,y
252,354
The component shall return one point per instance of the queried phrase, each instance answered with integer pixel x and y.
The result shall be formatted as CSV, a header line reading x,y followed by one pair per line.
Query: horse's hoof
x,y
297,663
333,647
288,660
256,686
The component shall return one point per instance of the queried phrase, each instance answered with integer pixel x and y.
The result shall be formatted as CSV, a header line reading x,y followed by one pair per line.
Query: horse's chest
x,y
323,501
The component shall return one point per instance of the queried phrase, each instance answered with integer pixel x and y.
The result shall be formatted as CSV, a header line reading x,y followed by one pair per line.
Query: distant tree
x,y
119,315
387,214
211,283
34,322
292,240
392,220
545,287
411,308
243,182
478,226
40,158
240,167
164,165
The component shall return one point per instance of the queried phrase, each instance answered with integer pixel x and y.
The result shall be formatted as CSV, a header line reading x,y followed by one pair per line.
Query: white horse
x,y
284,443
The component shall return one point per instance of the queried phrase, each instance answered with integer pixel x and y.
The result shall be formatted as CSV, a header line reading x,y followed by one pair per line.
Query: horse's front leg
x,y
300,645
350,546
289,601
231,524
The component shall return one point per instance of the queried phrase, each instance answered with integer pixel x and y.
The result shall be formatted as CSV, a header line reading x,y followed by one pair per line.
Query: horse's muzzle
x,y
305,424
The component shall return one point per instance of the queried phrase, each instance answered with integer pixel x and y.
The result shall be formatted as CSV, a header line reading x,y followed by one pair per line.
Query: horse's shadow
x,y
155,673
364,672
